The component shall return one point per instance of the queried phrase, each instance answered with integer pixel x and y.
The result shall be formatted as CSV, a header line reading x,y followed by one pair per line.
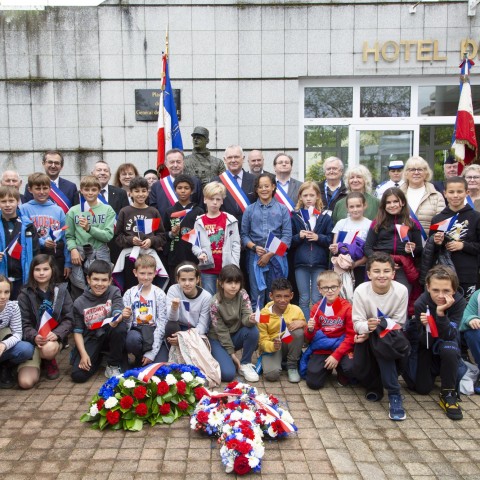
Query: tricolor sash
x,y
235,190
282,196
167,187
418,224
59,197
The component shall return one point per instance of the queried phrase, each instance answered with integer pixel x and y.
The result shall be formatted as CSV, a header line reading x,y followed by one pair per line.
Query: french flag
x,y
181,213
85,207
325,308
56,234
310,215
192,237
14,248
403,232
148,225
275,245
145,374
285,334
102,323
346,237
391,324
47,324
444,225
431,327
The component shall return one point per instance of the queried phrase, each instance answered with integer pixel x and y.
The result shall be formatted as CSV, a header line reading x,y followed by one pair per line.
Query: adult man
x,y
200,163
450,169
287,187
256,162
116,197
11,178
63,192
162,194
332,188
395,172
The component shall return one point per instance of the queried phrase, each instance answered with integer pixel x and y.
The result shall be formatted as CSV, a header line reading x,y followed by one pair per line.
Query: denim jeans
x,y
306,278
19,353
472,337
209,282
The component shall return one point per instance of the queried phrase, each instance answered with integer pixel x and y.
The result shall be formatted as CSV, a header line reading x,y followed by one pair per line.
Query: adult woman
x,y
357,179
124,174
422,197
472,176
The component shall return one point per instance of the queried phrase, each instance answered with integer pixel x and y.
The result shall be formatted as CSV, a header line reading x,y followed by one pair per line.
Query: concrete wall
x,y
68,75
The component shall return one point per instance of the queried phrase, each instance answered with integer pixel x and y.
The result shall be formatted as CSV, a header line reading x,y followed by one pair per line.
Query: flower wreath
x,y
241,417
157,393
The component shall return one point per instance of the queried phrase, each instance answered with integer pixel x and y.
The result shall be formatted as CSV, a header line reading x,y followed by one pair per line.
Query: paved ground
x,y
340,436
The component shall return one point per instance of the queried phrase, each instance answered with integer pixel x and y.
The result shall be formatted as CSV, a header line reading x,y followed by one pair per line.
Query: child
x,y
381,296
13,350
219,237
42,295
462,239
127,234
355,222
333,346
90,228
233,326
188,305
176,226
438,347
310,240
146,325
261,218
99,324
48,218
273,350
13,225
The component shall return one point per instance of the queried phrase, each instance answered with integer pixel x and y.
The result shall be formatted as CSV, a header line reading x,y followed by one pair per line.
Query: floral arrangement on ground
x,y
158,393
240,417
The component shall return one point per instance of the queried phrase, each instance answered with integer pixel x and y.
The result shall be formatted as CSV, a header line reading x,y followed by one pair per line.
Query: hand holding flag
x,y
275,245
47,323
402,231
444,225
148,225
192,237
431,326
391,324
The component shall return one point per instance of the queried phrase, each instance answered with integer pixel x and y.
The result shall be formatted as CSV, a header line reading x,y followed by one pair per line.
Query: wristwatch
x,y
253,248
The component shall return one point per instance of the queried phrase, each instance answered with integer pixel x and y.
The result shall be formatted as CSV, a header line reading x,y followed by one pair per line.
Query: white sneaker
x,y
249,373
112,371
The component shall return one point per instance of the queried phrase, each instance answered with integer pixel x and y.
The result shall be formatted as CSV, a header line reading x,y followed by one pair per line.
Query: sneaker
x,y
249,373
112,371
448,401
342,380
51,369
293,376
7,380
397,412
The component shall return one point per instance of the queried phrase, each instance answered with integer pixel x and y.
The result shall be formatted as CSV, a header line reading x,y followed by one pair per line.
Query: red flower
x,y
232,444
202,416
113,417
164,409
181,387
126,402
235,391
163,388
140,392
141,409
277,426
183,405
273,399
244,447
232,384
241,466
199,392
100,403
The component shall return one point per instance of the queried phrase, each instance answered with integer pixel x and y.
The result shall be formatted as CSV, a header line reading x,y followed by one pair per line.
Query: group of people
x,y
382,277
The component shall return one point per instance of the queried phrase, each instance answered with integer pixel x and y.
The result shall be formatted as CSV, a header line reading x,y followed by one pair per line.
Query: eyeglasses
x,y
413,170
57,164
330,289
476,177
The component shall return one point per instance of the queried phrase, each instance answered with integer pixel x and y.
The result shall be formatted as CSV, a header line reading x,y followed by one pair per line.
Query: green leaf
x,y
137,426
102,422
86,418
191,398
168,396
170,418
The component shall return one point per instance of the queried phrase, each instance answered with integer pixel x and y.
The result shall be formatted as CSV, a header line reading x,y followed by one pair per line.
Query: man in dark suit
x,y
256,162
282,165
53,162
116,197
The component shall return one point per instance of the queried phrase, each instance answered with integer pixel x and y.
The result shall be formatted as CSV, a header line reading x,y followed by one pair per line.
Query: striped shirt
x,y
10,317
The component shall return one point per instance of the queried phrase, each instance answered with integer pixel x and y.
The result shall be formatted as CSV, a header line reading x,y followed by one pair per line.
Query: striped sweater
x,y
10,317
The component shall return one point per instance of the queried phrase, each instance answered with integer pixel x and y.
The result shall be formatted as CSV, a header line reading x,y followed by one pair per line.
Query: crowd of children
x,y
362,308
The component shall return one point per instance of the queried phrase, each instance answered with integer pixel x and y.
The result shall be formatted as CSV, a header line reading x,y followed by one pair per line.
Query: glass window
x,y
328,102
442,100
385,101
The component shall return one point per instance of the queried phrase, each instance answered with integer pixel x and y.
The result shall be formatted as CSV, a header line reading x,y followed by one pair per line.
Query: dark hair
x,y
52,152
380,257
263,175
38,260
461,180
182,267
384,219
100,266
359,195
121,169
278,155
184,178
138,182
281,284
442,272
150,170
229,273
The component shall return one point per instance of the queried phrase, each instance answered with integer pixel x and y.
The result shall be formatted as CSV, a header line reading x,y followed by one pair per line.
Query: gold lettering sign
x,y
405,50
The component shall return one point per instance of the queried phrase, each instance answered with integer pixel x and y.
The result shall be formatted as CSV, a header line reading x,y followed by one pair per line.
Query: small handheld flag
x,y
106,321
181,213
326,309
192,237
275,245
346,237
148,225
47,323
403,232
14,248
285,334
85,207
391,324
56,234
444,225
431,327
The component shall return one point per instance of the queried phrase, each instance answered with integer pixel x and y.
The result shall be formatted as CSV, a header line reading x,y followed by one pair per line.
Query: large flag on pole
x,y
168,132
464,140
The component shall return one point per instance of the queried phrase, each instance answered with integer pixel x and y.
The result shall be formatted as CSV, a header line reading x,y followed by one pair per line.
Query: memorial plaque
x,y
147,101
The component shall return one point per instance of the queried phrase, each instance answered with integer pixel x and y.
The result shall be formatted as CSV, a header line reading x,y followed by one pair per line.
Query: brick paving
x,y
341,436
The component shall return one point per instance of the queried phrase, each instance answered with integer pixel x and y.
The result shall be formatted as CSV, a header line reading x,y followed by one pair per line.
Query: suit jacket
x,y
117,198
69,189
293,188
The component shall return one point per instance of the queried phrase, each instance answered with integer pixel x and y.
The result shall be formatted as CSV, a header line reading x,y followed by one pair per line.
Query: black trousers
x,y
317,373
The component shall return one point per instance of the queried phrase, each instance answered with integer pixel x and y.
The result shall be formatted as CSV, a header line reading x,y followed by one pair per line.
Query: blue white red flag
x,y
416,221
47,323
444,225
14,248
282,196
431,327
145,374
148,225
167,187
235,190
105,321
59,197
391,324
403,232
55,235
181,213
275,245
84,206
285,334
192,237
309,216
325,308
346,237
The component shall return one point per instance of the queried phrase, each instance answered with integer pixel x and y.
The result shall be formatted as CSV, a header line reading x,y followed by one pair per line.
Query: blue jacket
x,y
311,254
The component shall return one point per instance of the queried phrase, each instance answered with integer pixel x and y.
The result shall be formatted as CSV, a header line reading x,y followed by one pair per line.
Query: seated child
x,y
43,296
146,325
281,339
438,340
13,350
333,346
233,326
99,324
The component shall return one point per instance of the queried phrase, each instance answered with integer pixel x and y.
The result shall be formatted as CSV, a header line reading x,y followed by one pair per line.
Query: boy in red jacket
x,y
330,333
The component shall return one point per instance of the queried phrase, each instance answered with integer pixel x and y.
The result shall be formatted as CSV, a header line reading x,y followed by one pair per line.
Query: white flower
x,y
187,376
155,379
93,410
236,415
271,432
200,380
110,402
215,418
252,461
170,379
258,450
130,383
248,415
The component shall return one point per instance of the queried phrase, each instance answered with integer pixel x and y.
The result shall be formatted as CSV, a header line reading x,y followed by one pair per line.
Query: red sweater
x,y
334,326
